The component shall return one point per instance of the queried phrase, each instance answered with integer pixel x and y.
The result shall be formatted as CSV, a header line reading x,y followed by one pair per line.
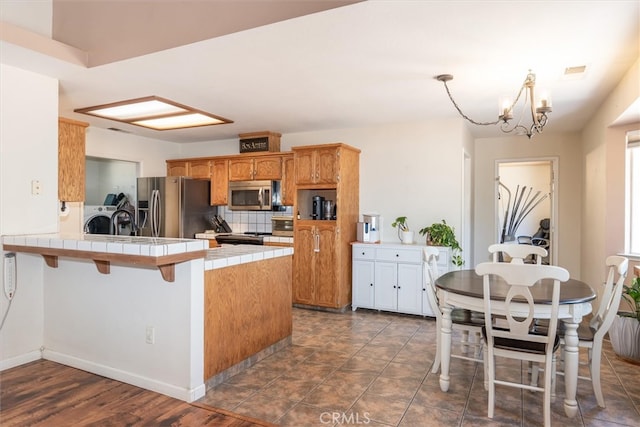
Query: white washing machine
x,y
97,219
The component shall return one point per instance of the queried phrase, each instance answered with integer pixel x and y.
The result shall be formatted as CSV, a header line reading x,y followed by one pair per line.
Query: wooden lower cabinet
x,y
317,280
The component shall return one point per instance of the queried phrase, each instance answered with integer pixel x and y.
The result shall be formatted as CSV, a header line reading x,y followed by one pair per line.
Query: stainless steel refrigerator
x,y
173,206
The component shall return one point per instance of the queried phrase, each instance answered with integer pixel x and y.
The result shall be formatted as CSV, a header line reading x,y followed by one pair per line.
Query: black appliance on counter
x,y
316,207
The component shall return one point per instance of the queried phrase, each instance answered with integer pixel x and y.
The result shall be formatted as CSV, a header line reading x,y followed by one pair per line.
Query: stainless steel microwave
x,y
254,195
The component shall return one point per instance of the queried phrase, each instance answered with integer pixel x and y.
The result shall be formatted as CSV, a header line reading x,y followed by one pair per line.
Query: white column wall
x,y
28,145
97,322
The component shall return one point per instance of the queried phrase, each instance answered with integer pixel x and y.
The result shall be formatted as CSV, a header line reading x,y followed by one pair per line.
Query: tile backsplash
x,y
256,221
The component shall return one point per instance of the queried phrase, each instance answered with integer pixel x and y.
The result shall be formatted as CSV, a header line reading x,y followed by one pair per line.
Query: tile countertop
x,y
229,255
126,245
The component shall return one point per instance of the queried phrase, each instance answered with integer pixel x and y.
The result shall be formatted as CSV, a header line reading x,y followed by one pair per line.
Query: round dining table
x,y
464,289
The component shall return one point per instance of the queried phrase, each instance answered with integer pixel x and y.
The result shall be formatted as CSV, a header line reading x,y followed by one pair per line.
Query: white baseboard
x,y
20,360
187,395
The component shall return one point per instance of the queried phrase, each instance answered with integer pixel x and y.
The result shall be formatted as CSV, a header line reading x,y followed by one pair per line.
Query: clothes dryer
x,y
97,219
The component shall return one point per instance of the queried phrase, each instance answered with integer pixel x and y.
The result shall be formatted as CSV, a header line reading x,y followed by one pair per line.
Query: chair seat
x,y
466,317
521,345
585,331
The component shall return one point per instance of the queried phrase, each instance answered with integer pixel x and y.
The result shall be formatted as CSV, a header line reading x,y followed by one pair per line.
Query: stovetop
x,y
250,238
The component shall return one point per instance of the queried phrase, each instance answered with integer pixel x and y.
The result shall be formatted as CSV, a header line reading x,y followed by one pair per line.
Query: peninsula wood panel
x,y
247,309
71,160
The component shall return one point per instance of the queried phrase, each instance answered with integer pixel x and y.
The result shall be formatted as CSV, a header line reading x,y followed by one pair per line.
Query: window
x,y
632,244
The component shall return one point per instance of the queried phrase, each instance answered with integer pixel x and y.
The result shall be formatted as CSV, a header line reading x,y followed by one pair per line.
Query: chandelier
x,y
506,113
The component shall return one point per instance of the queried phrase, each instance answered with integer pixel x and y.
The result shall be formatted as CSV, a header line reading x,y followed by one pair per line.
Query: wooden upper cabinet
x,y
267,167
200,169
177,168
241,169
71,160
255,168
219,182
317,165
288,185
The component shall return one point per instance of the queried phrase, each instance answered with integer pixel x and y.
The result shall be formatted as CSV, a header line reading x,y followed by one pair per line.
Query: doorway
x,y
526,202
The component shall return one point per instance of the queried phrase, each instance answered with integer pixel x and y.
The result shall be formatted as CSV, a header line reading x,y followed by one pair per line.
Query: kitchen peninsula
x,y
112,310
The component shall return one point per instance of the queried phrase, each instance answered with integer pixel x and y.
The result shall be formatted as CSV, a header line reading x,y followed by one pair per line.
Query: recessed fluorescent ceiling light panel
x,y
154,113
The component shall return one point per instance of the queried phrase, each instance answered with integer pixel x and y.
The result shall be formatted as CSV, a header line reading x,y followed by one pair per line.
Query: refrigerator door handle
x,y
156,213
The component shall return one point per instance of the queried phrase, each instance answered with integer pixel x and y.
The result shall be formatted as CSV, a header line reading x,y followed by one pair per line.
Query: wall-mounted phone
x,y
9,279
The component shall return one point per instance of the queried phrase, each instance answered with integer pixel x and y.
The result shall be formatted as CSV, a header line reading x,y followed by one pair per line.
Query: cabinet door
x,y
200,169
325,262
303,272
219,182
288,184
304,166
241,169
269,167
327,165
71,160
385,288
178,168
362,283
410,288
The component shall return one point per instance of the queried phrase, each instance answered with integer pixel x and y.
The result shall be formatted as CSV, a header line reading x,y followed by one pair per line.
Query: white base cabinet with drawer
x,y
390,277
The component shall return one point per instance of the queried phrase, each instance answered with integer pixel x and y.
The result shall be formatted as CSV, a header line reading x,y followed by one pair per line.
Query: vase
x,y
624,335
406,237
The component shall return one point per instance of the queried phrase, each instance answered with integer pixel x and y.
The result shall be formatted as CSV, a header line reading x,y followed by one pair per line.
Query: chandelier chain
x,y
455,104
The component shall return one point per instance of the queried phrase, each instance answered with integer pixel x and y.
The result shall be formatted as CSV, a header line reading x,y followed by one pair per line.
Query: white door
x,y
363,275
410,288
385,289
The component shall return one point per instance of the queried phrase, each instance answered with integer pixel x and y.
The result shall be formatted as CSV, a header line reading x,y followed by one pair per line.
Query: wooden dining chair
x,y
514,339
519,253
468,322
591,332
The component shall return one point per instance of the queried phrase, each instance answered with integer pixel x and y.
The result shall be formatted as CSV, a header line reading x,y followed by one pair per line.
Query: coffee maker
x,y
316,208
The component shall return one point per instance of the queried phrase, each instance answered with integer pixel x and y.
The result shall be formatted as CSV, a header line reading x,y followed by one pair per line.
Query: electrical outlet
x,y
36,188
150,336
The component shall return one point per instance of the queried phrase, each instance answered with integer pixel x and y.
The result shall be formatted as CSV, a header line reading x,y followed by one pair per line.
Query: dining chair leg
x,y
535,369
548,370
436,361
490,367
553,378
595,355
464,342
486,369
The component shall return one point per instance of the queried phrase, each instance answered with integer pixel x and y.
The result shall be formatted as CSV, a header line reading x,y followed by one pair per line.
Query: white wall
x,y
564,146
603,167
28,143
407,169
151,154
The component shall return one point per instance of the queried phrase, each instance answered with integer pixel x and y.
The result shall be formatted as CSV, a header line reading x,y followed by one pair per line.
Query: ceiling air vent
x,y
575,70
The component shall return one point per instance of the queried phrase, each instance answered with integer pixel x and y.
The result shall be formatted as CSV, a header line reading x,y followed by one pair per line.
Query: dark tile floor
x,y
372,368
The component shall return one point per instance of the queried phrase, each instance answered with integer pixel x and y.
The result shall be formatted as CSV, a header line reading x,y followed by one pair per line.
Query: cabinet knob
x,y
398,286
362,253
394,286
370,284
397,255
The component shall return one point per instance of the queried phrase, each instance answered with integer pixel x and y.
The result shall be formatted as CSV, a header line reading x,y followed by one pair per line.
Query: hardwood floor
x,y
44,393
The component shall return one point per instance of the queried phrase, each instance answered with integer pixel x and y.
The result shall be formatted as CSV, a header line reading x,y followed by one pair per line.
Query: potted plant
x,y
442,234
625,329
404,234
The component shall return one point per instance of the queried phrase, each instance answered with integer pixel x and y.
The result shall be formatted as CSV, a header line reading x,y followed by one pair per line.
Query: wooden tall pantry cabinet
x,y
322,251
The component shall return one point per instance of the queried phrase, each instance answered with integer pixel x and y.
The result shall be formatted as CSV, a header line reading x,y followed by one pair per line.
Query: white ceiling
x,y
370,63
